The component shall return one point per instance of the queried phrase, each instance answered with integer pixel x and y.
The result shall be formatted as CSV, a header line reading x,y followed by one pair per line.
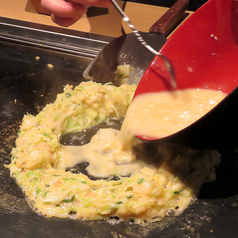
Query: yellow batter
x,y
167,113
149,193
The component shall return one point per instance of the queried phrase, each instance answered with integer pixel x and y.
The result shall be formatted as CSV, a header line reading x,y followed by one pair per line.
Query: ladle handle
x,y
169,19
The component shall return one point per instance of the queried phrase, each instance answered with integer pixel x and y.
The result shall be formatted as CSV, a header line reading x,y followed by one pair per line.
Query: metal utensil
x,y
143,42
127,49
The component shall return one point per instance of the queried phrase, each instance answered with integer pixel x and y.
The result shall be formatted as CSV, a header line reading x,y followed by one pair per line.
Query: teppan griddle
x,y
27,84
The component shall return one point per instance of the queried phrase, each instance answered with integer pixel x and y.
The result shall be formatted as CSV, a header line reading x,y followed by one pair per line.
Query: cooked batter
x,y
149,193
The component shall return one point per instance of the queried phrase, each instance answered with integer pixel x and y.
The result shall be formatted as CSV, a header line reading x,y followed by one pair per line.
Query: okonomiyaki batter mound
x,y
148,192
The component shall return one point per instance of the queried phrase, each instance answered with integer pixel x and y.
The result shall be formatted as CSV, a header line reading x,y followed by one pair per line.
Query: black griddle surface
x,y
26,86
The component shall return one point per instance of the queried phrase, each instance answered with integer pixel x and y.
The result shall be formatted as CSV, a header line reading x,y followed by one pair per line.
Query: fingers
x,y
61,8
67,12
61,21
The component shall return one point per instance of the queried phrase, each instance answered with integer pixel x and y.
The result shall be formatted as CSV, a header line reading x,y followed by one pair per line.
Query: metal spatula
x,y
127,49
144,43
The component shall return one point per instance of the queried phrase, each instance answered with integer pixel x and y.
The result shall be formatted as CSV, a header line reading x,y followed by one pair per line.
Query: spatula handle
x,y
168,20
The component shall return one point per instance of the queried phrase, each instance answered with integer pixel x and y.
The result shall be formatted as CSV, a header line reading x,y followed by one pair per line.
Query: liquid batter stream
x,y
155,115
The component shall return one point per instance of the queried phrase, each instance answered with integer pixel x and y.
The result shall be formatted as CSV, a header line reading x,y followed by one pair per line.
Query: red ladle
x,y
204,54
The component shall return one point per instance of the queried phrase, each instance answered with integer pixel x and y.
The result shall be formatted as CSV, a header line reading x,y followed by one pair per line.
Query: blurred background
x,y
194,4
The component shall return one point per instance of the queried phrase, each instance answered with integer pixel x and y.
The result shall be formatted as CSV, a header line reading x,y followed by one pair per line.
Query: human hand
x,y
67,12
